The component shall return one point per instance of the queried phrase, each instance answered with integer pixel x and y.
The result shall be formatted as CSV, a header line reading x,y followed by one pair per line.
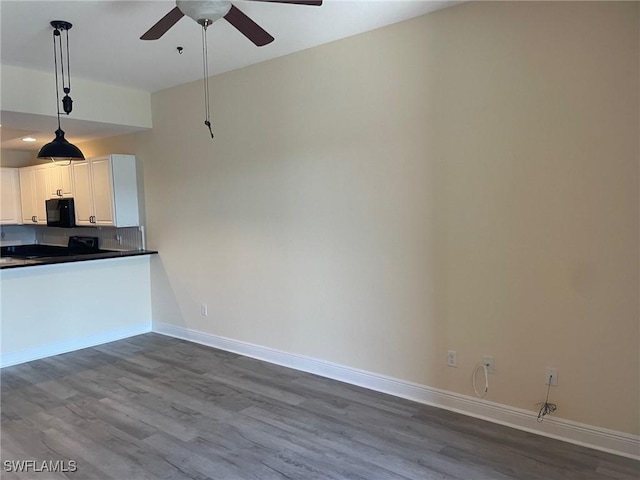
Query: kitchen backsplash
x,y
17,235
110,238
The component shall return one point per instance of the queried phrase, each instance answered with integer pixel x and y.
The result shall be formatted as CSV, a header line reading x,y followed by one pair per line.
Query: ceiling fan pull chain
x,y
205,63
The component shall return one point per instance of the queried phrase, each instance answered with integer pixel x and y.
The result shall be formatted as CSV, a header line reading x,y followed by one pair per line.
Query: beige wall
x,y
17,158
466,180
29,91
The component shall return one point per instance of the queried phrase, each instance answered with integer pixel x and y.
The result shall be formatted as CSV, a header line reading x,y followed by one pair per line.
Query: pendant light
x,y
60,148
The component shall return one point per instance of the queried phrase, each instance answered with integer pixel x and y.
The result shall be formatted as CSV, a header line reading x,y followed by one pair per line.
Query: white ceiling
x,y
105,45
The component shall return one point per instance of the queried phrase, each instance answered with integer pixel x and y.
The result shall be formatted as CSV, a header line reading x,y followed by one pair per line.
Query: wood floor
x,y
153,407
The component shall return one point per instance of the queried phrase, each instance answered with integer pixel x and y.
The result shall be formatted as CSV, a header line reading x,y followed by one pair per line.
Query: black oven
x,y
61,213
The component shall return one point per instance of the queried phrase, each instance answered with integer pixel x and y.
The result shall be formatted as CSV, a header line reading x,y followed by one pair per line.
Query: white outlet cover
x,y
452,358
553,373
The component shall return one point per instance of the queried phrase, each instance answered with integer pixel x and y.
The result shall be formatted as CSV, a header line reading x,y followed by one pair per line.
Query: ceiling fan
x,y
208,11
205,12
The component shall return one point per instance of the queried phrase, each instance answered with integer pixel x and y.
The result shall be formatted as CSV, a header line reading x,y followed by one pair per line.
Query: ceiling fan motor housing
x,y
210,10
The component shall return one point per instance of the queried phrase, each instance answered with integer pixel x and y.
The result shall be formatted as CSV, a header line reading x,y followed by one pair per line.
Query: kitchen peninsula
x,y
53,308
59,294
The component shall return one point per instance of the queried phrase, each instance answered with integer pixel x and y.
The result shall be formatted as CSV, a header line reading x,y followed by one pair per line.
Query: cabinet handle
x,y
34,219
59,192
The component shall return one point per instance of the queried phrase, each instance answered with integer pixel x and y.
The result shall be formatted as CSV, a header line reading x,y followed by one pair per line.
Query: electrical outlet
x,y
204,310
551,374
452,358
487,360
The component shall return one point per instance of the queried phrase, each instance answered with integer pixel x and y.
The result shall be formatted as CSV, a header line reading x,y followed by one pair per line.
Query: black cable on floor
x,y
547,408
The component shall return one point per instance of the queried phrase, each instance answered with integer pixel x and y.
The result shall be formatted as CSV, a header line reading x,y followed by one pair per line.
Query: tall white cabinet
x,y
10,205
34,191
106,191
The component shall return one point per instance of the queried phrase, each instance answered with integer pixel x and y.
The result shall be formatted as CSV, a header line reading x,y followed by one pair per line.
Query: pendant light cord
x,y
66,89
205,63
61,60
56,33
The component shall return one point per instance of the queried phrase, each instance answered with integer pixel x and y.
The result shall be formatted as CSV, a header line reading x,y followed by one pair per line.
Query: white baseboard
x,y
22,356
603,439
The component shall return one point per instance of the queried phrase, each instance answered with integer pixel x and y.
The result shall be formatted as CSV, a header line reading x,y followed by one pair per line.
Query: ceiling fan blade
x,y
162,25
313,3
248,27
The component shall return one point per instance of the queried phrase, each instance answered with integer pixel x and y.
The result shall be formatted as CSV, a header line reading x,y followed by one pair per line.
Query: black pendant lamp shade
x,y
60,148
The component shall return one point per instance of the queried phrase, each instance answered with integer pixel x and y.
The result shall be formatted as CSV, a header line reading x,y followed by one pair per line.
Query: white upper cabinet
x,y
103,191
10,205
60,181
34,191
83,199
106,191
40,183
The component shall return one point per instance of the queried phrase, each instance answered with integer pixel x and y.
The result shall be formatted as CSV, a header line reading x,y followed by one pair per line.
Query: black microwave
x,y
61,213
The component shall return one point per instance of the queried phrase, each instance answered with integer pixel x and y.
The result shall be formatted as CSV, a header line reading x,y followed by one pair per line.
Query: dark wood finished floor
x,y
153,407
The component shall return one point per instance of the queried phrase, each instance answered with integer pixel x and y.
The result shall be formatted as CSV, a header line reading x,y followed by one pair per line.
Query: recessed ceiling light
x,y
28,139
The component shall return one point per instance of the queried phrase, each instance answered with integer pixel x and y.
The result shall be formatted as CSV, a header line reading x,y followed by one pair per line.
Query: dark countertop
x,y
13,262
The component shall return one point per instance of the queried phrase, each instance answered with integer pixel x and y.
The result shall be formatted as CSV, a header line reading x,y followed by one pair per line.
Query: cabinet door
x,y
10,212
60,183
27,195
55,179
102,186
41,177
66,181
83,199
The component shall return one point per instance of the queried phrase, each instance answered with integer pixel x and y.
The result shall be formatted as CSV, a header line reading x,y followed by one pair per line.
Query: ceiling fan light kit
x,y
201,10
205,12
60,148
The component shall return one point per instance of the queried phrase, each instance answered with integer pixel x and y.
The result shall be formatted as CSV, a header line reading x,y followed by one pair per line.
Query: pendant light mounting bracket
x,y
61,25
